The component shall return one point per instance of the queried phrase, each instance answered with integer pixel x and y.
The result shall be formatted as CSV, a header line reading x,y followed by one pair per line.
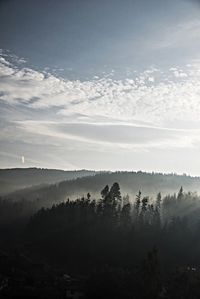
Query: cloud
x,y
182,34
100,135
148,96
150,110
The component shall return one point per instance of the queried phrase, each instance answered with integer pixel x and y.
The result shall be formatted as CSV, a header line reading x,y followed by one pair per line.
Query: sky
x,y
110,85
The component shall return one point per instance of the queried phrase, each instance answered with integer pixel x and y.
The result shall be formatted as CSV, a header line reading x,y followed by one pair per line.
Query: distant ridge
x,y
19,178
130,182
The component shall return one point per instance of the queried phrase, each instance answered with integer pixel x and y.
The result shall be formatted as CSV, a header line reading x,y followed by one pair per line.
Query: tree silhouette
x,y
180,193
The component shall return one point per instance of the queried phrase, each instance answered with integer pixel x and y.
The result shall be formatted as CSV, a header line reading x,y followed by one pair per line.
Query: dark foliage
x,y
130,182
126,247
117,231
19,178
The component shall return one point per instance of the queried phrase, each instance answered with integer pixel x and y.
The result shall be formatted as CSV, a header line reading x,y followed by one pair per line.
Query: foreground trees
x,y
117,230
126,247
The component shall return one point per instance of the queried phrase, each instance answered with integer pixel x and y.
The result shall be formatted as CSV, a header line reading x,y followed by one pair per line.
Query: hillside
x,y
19,178
130,182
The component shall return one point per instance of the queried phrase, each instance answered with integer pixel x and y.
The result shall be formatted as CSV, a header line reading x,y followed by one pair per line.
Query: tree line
x,y
118,230
149,247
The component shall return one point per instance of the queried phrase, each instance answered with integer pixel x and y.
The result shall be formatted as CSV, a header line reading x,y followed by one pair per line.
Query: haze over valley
x,y
99,149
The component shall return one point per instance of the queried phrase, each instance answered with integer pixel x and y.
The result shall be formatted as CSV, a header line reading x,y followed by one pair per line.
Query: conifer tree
x,y
180,193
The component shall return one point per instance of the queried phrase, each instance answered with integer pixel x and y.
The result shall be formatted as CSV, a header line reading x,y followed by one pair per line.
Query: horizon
x,y
105,171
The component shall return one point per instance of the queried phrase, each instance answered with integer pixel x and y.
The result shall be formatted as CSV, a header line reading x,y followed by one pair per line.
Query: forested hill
x,y
130,182
18,178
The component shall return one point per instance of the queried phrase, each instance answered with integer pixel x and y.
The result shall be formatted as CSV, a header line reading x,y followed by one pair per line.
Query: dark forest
x,y
110,246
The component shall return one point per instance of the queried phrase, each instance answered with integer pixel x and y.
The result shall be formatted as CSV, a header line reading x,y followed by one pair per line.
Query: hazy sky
x,y
110,84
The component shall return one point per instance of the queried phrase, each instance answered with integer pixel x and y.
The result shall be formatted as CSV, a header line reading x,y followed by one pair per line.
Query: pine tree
x,y
105,191
158,200
180,193
144,203
138,202
143,214
88,196
115,193
157,212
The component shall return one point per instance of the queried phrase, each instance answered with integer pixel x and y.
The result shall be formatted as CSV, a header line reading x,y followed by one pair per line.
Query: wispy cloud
x,y
181,34
152,110
151,96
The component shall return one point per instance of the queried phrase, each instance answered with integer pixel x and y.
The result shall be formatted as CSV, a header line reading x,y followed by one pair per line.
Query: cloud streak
x,y
148,111
149,96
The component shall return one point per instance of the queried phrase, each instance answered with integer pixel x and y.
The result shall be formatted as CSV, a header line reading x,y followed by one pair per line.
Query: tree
x,y
115,193
138,201
126,199
144,203
88,196
180,193
125,216
143,215
158,200
106,203
105,191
